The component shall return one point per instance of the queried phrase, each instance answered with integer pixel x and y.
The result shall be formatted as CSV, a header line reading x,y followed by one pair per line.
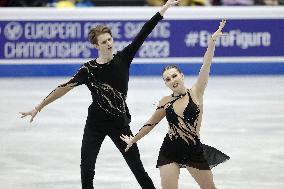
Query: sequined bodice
x,y
183,126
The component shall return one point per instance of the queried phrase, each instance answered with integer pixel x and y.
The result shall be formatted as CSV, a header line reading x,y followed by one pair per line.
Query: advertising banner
x,y
36,40
56,39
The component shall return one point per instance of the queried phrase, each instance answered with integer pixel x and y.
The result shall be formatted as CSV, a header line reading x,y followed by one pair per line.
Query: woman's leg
x,y
204,178
169,174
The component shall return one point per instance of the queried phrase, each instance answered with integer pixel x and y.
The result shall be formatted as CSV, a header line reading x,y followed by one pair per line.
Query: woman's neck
x,y
181,92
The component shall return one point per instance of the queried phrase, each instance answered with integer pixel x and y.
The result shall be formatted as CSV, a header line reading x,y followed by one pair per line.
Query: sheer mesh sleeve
x,y
79,78
156,117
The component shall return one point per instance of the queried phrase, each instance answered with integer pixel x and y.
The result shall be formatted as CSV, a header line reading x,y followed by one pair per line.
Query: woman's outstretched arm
x,y
156,117
203,76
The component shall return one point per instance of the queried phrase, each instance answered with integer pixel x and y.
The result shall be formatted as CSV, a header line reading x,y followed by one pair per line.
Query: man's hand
x,y
31,113
170,3
167,5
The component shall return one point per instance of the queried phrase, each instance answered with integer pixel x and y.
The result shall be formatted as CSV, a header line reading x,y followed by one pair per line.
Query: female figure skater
x,y
183,110
107,78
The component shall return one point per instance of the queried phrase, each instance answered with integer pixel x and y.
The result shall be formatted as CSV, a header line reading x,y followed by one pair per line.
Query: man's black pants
x,y
91,143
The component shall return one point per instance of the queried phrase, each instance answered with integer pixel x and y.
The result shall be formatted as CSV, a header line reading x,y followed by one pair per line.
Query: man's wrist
x,y
166,6
37,109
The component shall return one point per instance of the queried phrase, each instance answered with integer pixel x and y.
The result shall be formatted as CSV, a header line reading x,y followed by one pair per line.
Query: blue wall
x,y
144,69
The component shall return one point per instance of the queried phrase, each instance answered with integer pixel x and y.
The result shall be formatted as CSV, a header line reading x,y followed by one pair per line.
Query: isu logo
x,y
13,30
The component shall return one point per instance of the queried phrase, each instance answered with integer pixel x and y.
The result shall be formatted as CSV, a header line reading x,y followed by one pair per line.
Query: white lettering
x,y
237,38
154,49
47,50
43,30
115,28
162,30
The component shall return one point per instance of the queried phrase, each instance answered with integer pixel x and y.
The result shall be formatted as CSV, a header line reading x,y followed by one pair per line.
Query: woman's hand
x,y
128,140
219,32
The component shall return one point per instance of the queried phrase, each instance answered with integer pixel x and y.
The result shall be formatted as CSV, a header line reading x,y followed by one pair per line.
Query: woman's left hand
x,y
219,32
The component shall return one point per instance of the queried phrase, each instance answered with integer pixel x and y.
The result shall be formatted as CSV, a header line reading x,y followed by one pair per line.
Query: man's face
x,y
105,43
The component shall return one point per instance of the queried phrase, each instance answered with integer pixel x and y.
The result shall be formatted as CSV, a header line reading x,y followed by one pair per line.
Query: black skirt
x,y
198,155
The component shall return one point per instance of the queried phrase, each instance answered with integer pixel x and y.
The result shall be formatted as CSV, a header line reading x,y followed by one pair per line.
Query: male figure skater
x,y
107,78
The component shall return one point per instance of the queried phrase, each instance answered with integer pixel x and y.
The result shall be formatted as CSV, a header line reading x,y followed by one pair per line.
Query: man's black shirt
x,y
108,82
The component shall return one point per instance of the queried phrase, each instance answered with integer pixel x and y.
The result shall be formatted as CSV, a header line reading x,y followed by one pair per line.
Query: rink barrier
x,y
143,69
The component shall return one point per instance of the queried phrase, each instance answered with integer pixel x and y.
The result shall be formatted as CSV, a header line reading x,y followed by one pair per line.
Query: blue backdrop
x,y
58,47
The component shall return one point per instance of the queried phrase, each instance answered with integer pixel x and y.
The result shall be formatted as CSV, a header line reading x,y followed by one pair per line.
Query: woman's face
x,y
174,80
